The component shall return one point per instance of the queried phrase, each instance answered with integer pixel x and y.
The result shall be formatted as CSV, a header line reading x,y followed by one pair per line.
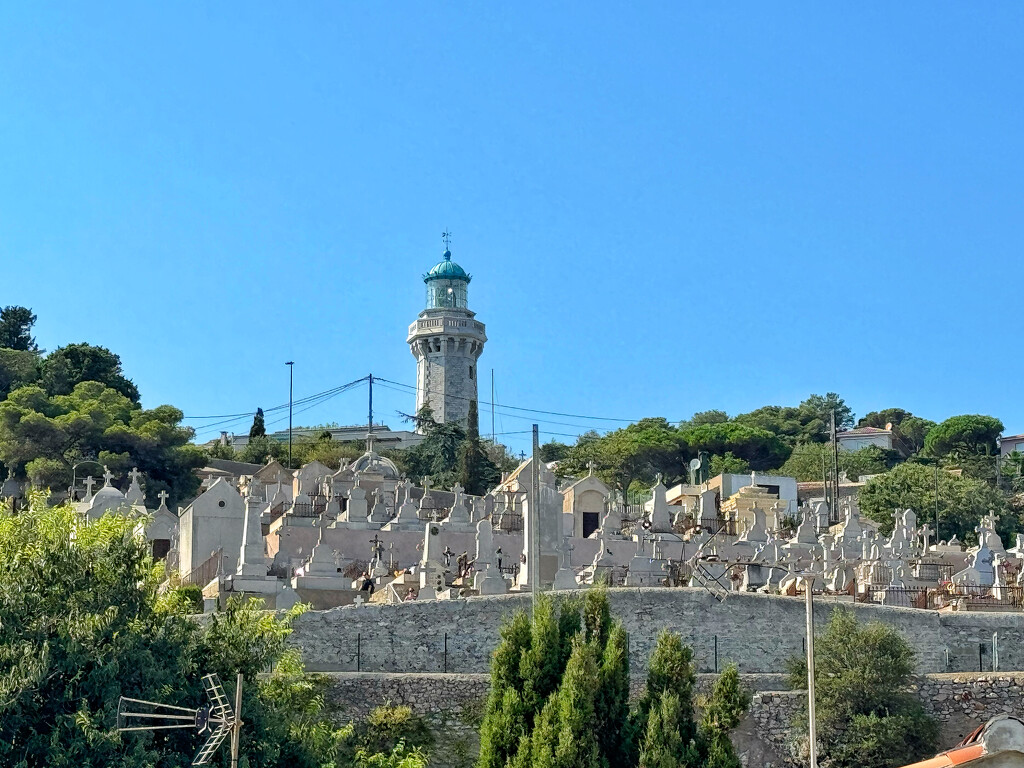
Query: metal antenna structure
x,y
216,718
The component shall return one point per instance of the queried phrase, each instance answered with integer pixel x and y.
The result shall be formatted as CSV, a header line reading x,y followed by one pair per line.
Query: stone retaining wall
x,y
453,704
758,632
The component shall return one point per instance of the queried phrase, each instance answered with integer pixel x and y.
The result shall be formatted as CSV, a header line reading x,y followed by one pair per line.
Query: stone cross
x,y
927,533
163,498
358,601
107,476
991,519
135,474
89,483
657,478
376,546
458,490
591,466
566,550
447,555
369,442
426,486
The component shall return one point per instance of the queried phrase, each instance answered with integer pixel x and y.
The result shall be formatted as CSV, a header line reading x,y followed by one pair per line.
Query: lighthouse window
x,y
471,372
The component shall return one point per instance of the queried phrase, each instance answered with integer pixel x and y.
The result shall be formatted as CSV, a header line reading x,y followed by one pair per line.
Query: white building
x,y
862,437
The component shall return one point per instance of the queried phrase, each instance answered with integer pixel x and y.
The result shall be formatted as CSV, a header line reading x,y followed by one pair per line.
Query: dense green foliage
x,y
560,697
75,405
865,713
81,624
43,436
962,501
808,462
16,329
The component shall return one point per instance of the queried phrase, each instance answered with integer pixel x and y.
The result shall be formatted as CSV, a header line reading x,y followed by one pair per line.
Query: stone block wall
x,y
453,705
757,632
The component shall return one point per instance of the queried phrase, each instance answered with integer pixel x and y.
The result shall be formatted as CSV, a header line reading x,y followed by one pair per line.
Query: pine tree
x,y
258,428
723,711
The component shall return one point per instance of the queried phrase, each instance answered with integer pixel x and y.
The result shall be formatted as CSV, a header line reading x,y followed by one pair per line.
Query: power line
x,y
512,407
235,416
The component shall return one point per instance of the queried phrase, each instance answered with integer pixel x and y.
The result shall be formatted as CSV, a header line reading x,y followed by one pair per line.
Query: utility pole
x,y
236,727
492,406
291,390
936,467
812,726
534,564
835,468
369,425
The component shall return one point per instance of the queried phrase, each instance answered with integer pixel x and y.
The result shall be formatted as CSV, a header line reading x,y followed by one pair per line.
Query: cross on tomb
x,y
927,533
566,550
163,498
657,478
447,555
358,601
376,546
369,442
135,474
107,475
591,466
458,490
425,482
89,483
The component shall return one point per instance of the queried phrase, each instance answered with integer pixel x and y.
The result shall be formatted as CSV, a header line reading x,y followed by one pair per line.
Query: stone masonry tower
x,y
446,342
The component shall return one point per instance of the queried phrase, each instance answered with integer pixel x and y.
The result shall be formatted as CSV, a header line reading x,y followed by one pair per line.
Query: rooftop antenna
x,y
215,718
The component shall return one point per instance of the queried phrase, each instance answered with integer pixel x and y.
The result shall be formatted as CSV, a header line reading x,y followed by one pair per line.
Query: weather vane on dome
x,y
446,238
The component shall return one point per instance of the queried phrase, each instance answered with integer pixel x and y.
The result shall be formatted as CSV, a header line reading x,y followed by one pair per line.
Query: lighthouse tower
x,y
446,341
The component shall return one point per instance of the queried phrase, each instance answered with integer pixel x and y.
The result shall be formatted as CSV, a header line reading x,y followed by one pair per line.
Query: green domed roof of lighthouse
x,y
447,270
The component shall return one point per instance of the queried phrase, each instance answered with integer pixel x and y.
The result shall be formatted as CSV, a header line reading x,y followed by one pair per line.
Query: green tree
x,y
45,436
476,472
554,451
729,465
963,436
865,714
759,448
962,501
818,409
663,743
16,329
908,430
259,427
670,671
705,417
67,367
261,449
807,460
638,452
17,369
81,623
722,712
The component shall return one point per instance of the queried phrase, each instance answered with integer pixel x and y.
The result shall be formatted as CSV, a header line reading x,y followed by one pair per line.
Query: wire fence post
x,y
716,654
446,653
359,651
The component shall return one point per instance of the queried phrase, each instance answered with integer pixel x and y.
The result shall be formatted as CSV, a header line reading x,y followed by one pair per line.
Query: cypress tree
x,y
258,428
569,625
476,472
597,615
504,714
612,700
577,719
670,671
539,667
664,744
722,712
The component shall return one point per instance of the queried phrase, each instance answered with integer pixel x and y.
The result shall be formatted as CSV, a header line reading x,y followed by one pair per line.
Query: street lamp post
x,y
291,382
812,728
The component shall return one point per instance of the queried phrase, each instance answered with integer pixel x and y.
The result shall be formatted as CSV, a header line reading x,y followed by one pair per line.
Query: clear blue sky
x,y
666,207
